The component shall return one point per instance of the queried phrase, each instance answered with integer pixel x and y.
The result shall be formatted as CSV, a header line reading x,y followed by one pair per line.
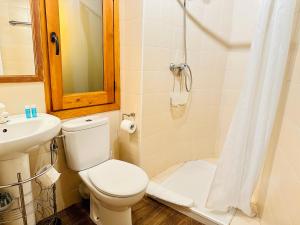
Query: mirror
x,y
19,54
82,52
81,45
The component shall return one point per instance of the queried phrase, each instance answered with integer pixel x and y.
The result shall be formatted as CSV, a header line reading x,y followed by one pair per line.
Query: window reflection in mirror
x,y
81,45
16,45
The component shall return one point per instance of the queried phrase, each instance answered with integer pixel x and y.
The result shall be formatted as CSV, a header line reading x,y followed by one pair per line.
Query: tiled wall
x,y
234,74
244,20
16,47
151,39
169,135
16,95
131,74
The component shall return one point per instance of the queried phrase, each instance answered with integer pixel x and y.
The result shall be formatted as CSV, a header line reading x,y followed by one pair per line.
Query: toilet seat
x,y
118,178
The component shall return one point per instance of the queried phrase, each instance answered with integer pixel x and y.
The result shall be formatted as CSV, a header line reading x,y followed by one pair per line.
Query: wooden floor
x,y
150,212
146,212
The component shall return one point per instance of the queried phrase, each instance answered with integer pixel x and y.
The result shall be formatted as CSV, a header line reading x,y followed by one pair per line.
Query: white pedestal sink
x,y
19,134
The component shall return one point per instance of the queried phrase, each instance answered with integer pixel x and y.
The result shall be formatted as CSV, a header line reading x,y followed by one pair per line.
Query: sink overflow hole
x,y
4,130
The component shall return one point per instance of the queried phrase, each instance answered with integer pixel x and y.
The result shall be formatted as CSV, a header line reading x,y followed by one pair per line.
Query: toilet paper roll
x,y
128,126
49,178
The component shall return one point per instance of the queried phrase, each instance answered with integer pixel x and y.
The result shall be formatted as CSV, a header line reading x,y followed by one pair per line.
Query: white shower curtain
x,y
244,150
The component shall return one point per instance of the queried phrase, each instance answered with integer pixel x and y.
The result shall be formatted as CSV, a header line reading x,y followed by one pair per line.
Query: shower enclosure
x,y
180,146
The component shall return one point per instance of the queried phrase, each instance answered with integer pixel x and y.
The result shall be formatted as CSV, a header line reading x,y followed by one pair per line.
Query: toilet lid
x,y
118,178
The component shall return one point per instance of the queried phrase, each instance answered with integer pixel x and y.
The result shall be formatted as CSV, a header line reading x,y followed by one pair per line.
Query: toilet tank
x,y
86,142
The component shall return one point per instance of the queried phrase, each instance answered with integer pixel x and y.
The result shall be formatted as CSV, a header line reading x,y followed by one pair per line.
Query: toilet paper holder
x,y
130,115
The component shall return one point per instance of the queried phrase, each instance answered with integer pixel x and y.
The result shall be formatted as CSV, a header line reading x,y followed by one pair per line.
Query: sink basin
x,y
20,134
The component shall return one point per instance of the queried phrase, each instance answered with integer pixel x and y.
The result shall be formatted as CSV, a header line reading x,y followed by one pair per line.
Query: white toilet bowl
x,y
114,187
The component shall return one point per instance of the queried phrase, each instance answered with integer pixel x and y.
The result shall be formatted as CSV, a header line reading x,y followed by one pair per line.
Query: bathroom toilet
x,y
114,185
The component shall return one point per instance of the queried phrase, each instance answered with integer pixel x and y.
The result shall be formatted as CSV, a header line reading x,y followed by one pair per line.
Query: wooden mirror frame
x,y
62,101
37,48
49,87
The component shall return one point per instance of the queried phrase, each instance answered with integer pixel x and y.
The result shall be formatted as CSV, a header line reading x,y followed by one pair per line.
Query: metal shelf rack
x,y
43,206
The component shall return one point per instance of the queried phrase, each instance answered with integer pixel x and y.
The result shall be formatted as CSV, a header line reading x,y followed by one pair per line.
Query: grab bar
x,y
14,23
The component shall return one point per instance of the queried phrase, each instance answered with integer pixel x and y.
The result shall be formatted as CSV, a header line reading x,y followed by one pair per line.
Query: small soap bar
x,y
33,111
27,112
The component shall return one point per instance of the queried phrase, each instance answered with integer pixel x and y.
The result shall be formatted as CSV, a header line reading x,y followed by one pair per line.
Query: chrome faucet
x,y
178,67
3,114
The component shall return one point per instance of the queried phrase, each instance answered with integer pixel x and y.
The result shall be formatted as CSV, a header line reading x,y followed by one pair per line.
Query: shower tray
x,y
189,181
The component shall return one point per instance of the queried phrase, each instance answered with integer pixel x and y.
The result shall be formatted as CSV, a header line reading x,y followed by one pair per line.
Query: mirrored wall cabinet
x,y
71,45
